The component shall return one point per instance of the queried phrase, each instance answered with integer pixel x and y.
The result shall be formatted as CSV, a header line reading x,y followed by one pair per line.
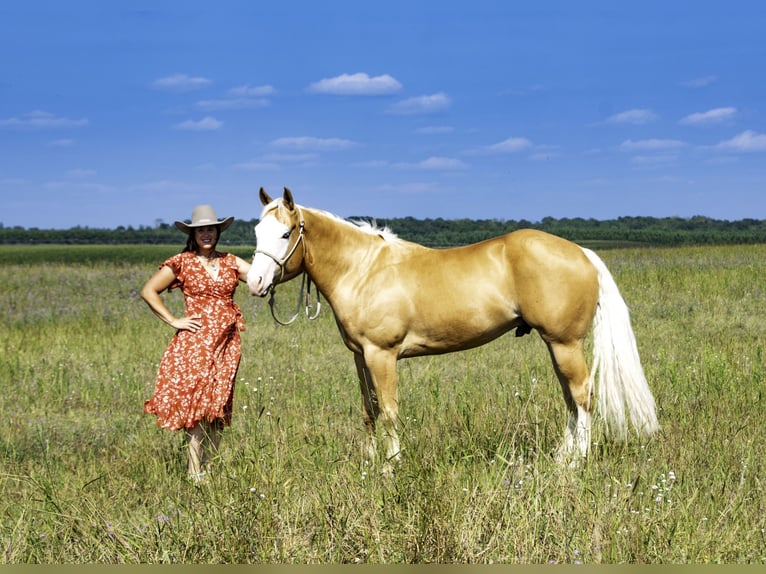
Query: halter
x,y
305,281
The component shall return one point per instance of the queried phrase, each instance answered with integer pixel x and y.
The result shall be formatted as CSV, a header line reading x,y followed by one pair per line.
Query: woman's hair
x,y
191,243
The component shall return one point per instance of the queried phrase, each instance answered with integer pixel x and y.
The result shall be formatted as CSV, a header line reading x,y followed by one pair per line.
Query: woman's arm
x,y
151,294
243,267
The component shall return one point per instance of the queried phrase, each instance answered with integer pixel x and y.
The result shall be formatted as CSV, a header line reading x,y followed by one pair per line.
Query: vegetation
x,y
624,231
86,477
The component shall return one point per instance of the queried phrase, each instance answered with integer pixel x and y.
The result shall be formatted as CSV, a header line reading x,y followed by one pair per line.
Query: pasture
x,y
86,477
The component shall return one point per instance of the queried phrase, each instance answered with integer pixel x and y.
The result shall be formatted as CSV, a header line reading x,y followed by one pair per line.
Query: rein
x,y
305,291
305,284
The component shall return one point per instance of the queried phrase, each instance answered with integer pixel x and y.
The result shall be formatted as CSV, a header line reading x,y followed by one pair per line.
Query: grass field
x,y
86,477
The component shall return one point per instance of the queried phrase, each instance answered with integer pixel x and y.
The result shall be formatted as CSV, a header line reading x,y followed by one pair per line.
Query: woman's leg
x,y
195,437
212,435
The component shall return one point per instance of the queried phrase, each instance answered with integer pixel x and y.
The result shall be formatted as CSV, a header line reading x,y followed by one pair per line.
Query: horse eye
x,y
286,235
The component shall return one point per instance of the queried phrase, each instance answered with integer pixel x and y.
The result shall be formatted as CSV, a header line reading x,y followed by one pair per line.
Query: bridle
x,y
305,281
282,262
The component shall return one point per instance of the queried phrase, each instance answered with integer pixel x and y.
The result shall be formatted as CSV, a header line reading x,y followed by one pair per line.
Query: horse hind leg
x,y
572,372
370,408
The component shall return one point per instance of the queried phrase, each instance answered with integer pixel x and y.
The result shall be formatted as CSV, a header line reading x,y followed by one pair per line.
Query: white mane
x,y
372,228
369,227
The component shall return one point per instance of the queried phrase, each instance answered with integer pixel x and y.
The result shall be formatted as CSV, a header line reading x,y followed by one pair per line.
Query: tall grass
x,y
85,476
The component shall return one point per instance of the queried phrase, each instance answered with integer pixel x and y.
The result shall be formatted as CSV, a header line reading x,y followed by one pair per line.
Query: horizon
x,y
487,110
538,222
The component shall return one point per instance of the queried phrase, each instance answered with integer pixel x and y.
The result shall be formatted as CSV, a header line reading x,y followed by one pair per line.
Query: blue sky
x,y
127,113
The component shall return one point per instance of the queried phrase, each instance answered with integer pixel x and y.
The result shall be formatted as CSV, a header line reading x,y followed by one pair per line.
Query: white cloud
x,y
252,91
422,105
40,120
206,124
67,186
510,145
700,82
234,104
291,157
651,145
442,163
714,116
312,143
356,85
180,83
656,159
747,141
257,165
635,116
436,163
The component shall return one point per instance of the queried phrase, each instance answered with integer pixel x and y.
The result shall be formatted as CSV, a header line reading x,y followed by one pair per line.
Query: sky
x,y
131,113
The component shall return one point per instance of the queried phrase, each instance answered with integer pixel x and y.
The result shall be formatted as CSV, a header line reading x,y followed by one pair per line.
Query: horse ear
x,y
288,197
265,199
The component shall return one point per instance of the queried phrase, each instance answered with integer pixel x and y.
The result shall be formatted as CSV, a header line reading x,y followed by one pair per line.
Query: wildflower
x,y
162,519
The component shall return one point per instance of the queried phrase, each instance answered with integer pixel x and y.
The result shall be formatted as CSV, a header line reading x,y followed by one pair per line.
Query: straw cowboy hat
x,y
202,216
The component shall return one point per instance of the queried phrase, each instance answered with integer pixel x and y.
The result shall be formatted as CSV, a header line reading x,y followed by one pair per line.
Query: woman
x,y
195,381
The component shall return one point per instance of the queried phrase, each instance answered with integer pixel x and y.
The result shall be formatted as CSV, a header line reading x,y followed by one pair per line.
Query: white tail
x,y
616,368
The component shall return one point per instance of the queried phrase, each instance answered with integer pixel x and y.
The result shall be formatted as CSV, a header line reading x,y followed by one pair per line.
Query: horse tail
x,y
616,370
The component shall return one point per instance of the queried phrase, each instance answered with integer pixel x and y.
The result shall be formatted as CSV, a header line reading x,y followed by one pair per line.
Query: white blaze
x,y
269,239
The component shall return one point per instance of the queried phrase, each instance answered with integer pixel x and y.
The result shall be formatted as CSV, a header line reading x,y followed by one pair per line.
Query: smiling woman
x,y
195,381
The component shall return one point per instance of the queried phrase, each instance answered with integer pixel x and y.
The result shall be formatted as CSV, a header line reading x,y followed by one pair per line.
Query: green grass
x,y
85,476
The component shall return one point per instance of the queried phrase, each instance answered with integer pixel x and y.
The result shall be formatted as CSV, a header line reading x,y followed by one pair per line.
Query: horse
x,y
393,299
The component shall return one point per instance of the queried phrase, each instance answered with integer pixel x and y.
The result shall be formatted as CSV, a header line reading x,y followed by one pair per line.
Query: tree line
x,y
666,231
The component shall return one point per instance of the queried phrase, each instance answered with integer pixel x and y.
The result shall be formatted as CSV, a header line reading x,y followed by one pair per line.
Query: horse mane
x,y
368,227
372,228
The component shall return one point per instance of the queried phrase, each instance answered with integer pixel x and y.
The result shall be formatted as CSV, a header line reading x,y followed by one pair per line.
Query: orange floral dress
x,y
196,376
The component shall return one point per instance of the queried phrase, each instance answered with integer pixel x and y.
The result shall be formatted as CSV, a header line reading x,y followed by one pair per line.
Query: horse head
x,y
278,255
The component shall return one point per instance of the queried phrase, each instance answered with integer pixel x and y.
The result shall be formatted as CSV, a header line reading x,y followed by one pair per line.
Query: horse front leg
x,y
381,368
370,407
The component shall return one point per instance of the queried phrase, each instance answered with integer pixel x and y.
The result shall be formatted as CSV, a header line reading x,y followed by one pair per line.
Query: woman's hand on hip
x,y
192,323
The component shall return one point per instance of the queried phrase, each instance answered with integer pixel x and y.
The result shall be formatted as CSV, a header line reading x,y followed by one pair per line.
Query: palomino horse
x,y
394,299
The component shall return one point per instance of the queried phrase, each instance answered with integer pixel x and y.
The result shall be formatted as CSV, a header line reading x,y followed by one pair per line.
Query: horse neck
x,y
334,248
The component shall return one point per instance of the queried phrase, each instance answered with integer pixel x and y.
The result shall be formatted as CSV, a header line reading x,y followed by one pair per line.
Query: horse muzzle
x,y
262,277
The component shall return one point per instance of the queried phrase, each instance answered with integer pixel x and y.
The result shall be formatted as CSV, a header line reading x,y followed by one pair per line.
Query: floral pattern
x,y
196,376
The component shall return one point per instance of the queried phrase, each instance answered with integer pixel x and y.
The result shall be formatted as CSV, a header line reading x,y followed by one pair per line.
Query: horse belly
x,y
446,325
